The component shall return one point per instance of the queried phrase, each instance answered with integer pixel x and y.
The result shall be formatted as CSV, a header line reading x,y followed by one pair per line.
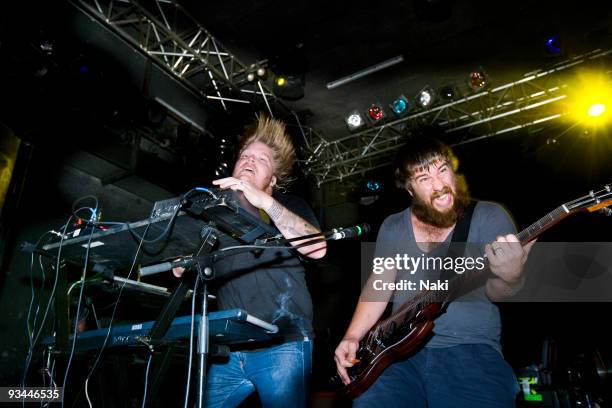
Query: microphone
x,y
186,263
350,232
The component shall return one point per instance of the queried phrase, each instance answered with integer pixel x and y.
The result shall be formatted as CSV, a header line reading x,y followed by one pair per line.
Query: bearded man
x,y
461,364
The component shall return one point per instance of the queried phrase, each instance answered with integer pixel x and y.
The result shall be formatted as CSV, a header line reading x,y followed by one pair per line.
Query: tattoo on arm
x,y
275,211
288,222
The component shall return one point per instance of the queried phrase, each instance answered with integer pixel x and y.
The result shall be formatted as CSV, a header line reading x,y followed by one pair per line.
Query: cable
x,y
78,312
189,364
87,393
96,278
52,374
200,189
141,238
94,210
146,382
110,326
42,323
95,315
30,333
42,287
169,225
183,200
309,242
44,376
33,339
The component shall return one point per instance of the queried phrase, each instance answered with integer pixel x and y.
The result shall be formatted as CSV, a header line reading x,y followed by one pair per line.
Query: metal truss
x,y
176,41
519,104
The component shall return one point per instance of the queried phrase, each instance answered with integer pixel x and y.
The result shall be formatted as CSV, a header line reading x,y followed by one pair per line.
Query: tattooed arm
x,y
288,223
292,225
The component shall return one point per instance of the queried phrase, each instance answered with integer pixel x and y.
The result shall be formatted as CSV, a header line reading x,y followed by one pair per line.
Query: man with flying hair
x,y
271,284
461,364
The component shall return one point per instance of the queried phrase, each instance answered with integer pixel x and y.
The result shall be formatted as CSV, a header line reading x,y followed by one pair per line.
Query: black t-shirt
x,y
270,284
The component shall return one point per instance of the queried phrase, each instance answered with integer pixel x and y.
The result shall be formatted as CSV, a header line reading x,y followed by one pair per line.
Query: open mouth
x,y
443,199
247,170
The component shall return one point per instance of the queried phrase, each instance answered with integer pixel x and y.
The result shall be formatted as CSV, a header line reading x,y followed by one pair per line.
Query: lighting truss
x,y
165,32
492,112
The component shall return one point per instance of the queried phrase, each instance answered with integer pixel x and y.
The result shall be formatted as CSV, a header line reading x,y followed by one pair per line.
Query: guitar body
x,y
375,355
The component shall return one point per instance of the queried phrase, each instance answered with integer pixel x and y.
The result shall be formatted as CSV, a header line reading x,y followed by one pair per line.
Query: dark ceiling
x,y
440,40
100,110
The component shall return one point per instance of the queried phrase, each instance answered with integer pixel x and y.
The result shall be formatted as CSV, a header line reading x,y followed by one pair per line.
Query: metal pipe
x,y
367,71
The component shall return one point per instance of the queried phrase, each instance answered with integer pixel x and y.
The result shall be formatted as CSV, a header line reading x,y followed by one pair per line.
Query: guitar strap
x,y
462,228
459,238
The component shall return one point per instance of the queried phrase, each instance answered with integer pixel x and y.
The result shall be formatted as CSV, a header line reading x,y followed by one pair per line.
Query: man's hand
x,y
345,356
289,224
507,257
258,198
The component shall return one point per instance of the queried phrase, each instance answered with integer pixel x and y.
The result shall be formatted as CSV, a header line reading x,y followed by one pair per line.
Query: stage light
x,y
553,45
448,92
261,72
223,146
400,105
251,76
596,110
425,98
289,86
477,80
222,170
46,46
376,112
280,81
588,97
373,185
354,120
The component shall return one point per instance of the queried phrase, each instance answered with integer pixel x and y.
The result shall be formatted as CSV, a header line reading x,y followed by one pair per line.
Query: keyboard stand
x,y
205,270
167,315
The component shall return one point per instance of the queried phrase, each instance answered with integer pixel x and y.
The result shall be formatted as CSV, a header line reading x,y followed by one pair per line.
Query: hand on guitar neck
x,y
507,259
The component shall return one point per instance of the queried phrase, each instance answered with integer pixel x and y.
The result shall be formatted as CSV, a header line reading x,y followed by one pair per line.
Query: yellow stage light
x,y
587,98
597,109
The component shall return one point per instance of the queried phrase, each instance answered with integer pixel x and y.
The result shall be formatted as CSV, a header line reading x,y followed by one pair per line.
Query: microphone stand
x,y
204,268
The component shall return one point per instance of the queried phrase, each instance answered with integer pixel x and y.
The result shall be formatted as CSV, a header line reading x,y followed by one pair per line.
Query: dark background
x,y
83,111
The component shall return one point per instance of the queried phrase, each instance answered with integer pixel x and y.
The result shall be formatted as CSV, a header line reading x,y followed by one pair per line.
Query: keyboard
x,y
232,326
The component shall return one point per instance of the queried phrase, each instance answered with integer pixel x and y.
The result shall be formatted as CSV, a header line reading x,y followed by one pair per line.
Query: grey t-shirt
x,y
471,319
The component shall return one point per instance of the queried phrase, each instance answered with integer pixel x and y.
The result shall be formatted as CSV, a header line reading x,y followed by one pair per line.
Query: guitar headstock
x,y
594,201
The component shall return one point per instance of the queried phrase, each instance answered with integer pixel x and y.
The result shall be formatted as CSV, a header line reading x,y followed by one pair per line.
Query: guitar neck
x,y
544,223
526,235
456,283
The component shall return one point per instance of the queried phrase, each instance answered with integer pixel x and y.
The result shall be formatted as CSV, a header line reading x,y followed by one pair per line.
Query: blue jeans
x,y
280,374
471,375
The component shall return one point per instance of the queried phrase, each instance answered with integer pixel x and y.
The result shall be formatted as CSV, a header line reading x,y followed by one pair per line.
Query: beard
x,y
426,212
